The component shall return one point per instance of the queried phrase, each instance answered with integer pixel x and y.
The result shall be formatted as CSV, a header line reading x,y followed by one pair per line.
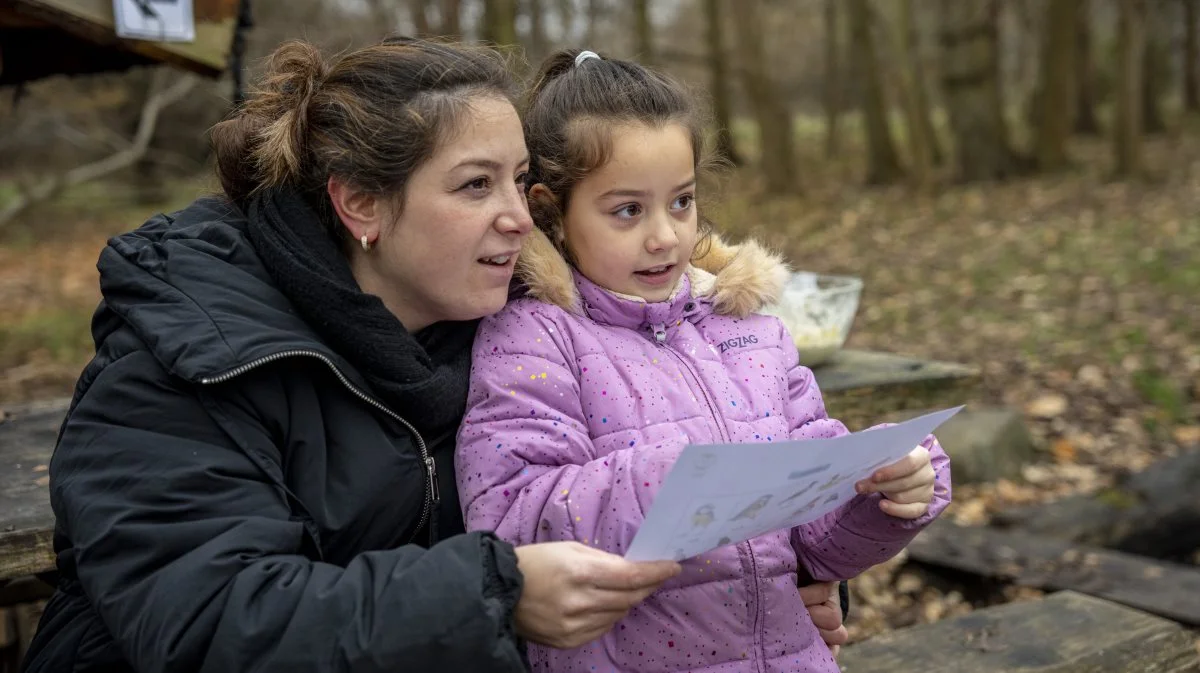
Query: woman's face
x,y
450,253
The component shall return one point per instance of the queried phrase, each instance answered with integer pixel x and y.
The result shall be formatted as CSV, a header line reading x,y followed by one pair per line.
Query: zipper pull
x,y
660,332
433,479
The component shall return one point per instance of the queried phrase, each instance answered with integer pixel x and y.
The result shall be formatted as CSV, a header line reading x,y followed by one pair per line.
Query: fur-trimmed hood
x,y
740,279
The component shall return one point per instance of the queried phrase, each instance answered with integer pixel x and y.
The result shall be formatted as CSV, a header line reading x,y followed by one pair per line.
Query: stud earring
x,y
366,245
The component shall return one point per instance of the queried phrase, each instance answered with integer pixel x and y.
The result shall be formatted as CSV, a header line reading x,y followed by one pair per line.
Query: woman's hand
x,y
825,608
574,594
906,485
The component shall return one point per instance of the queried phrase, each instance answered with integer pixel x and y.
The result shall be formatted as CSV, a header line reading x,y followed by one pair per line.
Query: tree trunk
x,y
500,22
566,17
774,119
1155,65
884,165
898,23
1027,50
593,20
644,31
418,10
383,14
1055,91
719,81
451,11
1127,127
1085,74
925,110
1191,86
833,83
971,81
538,44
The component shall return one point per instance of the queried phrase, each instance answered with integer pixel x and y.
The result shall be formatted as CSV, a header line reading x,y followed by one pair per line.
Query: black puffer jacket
x,y
231,497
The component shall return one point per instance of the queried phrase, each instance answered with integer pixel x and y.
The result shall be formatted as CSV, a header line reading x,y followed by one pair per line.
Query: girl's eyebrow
x,y
634,193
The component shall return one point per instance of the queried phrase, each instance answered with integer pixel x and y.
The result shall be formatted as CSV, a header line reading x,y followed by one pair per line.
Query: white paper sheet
x,y
157,20
722,494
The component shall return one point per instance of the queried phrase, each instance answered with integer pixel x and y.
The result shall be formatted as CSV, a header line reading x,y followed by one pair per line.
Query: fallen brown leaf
x,y
1187,434
1047,406
1063,450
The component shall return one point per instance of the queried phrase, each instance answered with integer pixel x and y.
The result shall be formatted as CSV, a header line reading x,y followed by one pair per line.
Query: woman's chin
x,y
481,305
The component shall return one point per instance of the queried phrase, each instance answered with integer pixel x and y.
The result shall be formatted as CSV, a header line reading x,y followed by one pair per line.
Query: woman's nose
x,y
515,218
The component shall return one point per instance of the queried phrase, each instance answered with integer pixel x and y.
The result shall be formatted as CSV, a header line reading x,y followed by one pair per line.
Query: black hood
x,y
193,289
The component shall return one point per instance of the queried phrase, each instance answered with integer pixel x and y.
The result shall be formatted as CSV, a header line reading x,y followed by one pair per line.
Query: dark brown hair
x,y
370,116
571,112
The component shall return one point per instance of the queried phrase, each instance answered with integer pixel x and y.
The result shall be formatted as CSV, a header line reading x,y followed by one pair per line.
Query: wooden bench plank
x,y
852,369
1066,632
1155,512
1166,589
27,436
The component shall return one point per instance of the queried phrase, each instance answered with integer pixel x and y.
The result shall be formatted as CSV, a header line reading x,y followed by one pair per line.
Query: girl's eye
x,y
522,178
628,211
683,202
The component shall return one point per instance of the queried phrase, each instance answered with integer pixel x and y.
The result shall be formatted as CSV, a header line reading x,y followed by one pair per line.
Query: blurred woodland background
x,y
1017,182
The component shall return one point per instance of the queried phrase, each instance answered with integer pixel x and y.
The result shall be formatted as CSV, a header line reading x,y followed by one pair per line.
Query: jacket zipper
x,y
432,496
660,337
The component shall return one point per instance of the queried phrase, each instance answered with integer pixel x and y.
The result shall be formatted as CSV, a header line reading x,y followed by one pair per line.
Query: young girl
x,y
622,352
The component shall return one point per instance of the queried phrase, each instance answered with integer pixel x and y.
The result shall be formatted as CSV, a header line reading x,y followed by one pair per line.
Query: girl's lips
x,y
655,277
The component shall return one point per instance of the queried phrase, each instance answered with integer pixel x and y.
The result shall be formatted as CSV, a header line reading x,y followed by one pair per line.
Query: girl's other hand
x,y
906,485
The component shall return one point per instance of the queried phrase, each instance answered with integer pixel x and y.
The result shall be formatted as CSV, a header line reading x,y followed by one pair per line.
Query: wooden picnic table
x,y
28,434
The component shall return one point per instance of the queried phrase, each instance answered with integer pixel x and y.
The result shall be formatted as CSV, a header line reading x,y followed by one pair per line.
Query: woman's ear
x,y
360,212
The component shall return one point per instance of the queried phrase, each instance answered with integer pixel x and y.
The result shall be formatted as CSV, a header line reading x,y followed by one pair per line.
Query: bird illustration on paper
x,y
799,493
753,509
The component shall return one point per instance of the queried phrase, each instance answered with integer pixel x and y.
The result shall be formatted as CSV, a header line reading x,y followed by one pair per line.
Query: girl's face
x,y
631,224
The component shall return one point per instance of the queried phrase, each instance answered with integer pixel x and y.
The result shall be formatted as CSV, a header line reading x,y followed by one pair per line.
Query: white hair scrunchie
x,y
585,55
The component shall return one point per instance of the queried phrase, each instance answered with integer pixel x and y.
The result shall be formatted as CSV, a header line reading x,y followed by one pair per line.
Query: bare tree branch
x,y
158,99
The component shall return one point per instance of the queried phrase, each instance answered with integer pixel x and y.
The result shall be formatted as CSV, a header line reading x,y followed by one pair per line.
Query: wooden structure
x,y
1067,632
857,370
1162,588
39,38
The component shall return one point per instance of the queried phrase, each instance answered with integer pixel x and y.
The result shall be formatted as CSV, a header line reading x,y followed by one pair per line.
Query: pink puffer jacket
x,y
580,402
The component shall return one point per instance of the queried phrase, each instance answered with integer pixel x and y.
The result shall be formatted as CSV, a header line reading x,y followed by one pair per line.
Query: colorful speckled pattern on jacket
x,y
574,419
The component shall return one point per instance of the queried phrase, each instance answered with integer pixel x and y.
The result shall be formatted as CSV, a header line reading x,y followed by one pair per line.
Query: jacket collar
x,y
730,279
613,308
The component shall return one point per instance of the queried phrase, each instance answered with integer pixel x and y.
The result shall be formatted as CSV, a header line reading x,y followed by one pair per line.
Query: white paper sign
x,y
720,494
157,20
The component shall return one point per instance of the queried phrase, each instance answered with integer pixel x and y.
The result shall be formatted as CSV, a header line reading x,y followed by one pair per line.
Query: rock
x,y
984,444
1047,406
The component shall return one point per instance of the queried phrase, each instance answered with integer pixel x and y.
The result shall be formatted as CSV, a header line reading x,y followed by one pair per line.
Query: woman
x,y
255,473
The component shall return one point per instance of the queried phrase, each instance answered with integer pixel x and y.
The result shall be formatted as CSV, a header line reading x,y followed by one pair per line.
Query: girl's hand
x,y
906,485
573,593
825,607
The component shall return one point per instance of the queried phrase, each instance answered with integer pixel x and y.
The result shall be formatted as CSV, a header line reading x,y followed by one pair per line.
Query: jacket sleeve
x,y
525,463
191,556
857,535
